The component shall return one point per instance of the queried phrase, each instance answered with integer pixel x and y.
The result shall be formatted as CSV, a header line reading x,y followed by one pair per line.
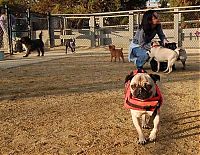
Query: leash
x,y
152,117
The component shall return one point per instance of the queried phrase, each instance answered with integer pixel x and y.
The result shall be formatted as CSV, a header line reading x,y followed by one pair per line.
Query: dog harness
x,y
144,105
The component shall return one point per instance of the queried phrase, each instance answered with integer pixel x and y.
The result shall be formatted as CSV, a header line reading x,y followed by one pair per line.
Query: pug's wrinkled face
x,y
142,86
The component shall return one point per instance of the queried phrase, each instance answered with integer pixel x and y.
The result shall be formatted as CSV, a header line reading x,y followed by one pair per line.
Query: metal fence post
x,y
62,30
51,31
9,39
131,25
92,31
101,33
176,26
180,32
138,19
29,22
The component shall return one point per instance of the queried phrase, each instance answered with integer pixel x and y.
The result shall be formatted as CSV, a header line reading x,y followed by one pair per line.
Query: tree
x,y
164,3
133,4
184,2
78,6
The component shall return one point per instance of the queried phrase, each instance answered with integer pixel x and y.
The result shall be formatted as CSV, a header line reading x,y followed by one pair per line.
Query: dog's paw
x,y
152,136
145,126
142,141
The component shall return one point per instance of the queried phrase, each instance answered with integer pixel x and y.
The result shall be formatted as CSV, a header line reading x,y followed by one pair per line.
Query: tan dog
x,y
143,88
182,55
116,53
162,54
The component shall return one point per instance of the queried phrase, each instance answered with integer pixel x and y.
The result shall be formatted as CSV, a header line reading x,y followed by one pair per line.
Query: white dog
x,y
143,97
162,54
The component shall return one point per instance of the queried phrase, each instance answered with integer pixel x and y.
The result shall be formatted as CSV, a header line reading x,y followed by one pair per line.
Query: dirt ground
x,y
74,106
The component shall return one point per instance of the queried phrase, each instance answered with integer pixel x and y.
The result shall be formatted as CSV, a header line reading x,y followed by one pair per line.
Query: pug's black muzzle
x,y
141,93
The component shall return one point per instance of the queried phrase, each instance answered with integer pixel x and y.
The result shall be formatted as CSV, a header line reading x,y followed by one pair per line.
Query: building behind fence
x,y
180,25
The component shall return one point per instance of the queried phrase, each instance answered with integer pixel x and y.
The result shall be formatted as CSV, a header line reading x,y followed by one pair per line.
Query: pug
x,y
182,56
143,90
162,54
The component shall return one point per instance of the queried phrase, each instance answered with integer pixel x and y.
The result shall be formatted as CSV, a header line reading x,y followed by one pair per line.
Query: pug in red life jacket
x,y
143,97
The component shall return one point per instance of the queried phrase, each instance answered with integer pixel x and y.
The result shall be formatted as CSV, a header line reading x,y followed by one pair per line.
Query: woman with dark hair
x,y
141,43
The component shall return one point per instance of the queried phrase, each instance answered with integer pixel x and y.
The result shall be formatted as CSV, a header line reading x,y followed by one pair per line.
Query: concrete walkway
x,y
17,59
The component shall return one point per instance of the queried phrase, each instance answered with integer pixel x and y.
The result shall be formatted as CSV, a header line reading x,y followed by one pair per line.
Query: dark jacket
x,y
145,40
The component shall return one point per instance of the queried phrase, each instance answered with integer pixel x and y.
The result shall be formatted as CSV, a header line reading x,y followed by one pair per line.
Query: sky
x,y
154,0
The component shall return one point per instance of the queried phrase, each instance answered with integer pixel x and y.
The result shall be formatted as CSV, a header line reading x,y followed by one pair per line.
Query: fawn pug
x,y
116,53
182,55
143,97
162,54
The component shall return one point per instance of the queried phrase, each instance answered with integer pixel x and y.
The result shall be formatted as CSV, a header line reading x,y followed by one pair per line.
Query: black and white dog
x,y
32,45
71,44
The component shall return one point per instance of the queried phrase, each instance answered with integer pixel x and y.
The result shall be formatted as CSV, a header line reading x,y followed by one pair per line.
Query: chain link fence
x,y
65,28
180,25
190,27
39,23
17,22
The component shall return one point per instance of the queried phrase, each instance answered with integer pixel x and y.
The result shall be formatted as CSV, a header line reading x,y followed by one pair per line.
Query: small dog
x,y
171,45
18,46
163,65
116,53
32,45
182,56
162,54
143,97
71,44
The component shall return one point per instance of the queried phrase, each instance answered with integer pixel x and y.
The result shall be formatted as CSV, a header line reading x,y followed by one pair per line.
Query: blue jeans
x,y
138,56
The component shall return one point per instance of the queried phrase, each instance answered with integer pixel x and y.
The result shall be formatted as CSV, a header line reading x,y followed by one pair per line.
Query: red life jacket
x,y
144,105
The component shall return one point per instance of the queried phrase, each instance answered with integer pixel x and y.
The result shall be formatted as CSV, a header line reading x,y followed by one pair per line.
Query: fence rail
x,y
180,24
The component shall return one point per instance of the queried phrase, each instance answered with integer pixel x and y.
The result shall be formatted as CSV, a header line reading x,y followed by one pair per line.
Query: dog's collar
x,y
139,71
155,46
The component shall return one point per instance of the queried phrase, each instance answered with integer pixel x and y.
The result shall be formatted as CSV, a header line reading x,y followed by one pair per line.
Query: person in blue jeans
x,y
141,43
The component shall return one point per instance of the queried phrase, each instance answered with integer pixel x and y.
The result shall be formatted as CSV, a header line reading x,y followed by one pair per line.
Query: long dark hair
x,y
146,24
